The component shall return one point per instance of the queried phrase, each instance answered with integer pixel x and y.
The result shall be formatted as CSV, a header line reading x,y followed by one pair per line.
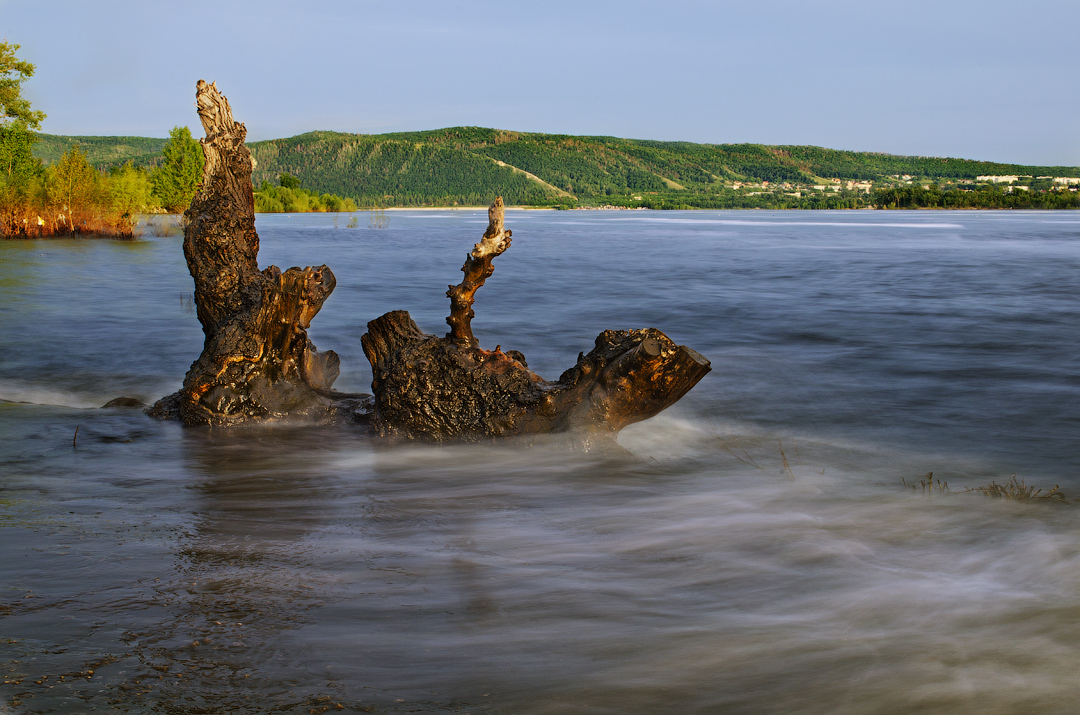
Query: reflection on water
x,y
753,550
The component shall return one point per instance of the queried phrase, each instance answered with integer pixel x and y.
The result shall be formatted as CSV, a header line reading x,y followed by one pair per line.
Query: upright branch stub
x,y
220,242
477,269
257,362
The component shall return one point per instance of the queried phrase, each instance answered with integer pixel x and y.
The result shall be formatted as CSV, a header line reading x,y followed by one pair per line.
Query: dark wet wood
x,y
449,388
257,362
477,269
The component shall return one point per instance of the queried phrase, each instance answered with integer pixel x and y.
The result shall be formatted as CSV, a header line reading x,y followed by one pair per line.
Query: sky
x,y
993,80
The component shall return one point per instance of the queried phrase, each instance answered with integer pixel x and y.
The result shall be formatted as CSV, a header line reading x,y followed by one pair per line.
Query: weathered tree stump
x,y
257,362
449,388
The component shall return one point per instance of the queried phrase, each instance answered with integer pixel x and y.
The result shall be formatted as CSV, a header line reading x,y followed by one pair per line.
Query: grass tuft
x,y
1017,490
1014,489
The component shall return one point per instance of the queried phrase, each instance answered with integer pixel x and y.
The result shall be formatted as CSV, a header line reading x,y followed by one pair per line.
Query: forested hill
x,y
471,165
102,151
461,164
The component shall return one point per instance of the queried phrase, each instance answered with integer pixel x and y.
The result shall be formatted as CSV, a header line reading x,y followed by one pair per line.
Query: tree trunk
x,y
257,362
449,388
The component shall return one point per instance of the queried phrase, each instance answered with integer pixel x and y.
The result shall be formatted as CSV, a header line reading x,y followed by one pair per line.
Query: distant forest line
x,y
469,166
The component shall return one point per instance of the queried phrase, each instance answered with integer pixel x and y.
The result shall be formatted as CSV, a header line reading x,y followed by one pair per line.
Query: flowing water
x,y
754,550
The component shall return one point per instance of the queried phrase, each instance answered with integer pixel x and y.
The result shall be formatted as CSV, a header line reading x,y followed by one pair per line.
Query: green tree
x,y
128,190
18,173
18,168
13,72
288,181
177,179
17,163
74,190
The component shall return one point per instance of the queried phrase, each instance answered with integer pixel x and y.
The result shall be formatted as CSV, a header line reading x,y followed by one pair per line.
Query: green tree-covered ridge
x,y
102,152
471,165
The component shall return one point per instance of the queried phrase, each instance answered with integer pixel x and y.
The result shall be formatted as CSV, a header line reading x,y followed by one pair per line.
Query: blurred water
x,y
754,551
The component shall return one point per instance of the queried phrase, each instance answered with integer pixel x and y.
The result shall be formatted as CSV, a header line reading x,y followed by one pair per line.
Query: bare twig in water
x,y
378,217
75,437
1017,490
787,467
749,461
160,226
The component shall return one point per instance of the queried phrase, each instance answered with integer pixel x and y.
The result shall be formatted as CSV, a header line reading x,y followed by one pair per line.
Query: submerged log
x,y
449,388
257,362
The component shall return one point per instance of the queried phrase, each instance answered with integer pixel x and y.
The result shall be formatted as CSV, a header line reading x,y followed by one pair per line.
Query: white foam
x,y
37,395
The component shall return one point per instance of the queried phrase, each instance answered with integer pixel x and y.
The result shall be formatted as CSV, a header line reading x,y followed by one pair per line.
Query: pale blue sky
x,y
979,79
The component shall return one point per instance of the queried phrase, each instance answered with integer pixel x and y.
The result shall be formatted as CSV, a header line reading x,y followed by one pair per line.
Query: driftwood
x,y
258,364
450,388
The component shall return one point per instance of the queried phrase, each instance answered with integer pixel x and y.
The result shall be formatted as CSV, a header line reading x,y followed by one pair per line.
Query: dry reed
x,y
927,484
1017,490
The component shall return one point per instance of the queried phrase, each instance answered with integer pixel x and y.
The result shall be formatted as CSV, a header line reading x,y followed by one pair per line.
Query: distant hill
x,y
472,165
102,151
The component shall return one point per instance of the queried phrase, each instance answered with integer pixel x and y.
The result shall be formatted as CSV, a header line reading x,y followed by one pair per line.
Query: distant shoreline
x,y
593,209
456,208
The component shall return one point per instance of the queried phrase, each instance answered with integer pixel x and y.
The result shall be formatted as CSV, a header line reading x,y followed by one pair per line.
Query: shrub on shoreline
x,y
71,198
289,197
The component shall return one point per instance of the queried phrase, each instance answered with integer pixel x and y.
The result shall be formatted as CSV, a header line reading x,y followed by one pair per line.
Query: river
x,y
757,547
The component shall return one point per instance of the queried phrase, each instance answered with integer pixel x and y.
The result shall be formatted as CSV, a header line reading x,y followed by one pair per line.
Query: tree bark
x,y
450,388
257,362
477,269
